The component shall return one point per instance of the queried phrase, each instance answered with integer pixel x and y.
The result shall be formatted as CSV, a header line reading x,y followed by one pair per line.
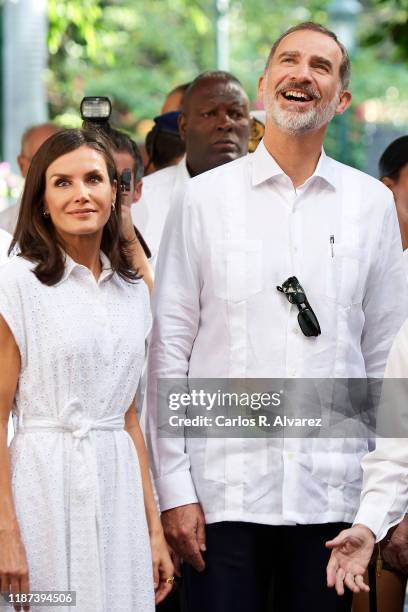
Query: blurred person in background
x,y
168,145
31,140
127,158
5,241
214,126
391,553
174,99
378,538
393,171
164,146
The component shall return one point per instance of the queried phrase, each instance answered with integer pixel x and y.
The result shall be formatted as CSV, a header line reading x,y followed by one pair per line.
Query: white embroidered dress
x,y
75,473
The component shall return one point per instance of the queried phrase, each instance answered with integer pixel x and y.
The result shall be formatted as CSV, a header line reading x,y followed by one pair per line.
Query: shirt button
x,y
292,373
291,456
295,330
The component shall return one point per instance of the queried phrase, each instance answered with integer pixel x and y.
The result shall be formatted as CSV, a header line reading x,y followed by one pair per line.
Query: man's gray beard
x,y
299,122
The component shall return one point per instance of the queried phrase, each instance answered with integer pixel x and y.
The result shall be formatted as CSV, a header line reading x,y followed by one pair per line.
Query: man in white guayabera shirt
x,y
242,512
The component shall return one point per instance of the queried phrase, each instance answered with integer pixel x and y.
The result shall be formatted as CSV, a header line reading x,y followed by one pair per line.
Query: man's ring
x,y
170,580
350,576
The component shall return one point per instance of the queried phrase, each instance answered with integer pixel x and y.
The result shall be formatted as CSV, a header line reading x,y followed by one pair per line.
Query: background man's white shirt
x,y
5,240
8,218
160,189
241,231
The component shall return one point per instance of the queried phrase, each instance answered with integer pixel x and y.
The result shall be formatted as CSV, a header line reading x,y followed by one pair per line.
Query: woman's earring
x,y
113,205
46,214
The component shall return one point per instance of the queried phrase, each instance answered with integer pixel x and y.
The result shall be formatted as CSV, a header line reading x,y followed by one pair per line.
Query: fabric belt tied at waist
x,y
87,564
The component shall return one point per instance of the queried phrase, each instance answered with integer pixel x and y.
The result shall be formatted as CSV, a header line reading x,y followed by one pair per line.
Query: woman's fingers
x,y
166,571
25,587
15,589
156,575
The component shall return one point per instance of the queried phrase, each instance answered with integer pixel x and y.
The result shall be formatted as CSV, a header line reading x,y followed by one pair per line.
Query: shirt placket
x,y
294,346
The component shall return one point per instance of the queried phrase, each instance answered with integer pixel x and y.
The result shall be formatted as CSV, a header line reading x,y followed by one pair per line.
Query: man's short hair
x,y
394,158
215,75
122,142
345,67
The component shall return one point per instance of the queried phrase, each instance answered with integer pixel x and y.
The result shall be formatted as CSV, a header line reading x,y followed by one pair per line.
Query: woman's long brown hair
x,y
35,237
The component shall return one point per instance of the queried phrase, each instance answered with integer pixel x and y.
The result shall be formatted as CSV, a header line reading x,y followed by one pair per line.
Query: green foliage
x,y
135,51
389,32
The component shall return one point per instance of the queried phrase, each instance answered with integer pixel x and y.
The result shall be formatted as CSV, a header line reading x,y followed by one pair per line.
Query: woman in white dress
x,y
77,509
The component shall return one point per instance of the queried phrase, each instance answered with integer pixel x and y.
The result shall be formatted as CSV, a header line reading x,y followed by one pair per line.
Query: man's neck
x,y
403,223
296,154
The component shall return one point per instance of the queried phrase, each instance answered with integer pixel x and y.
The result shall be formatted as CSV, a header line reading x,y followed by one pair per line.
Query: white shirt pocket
x,y
237,269
344,275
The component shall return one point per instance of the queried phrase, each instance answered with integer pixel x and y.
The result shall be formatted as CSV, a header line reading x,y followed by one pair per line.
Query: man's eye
x,y
236,115
207,114
288,60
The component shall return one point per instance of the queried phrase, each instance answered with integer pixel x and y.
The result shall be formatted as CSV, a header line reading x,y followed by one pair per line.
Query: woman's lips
x,y
80,213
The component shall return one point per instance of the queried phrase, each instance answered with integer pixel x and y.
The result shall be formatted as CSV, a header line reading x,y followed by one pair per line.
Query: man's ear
x,y
261,85
137,192
182,126
22,164
388,182
344,101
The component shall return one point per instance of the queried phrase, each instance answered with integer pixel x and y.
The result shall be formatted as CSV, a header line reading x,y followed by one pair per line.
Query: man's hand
x,y
184,528
351,553
395,547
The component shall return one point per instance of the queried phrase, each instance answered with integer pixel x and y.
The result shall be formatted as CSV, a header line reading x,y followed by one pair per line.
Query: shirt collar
x,y
71,265
182,167
264,167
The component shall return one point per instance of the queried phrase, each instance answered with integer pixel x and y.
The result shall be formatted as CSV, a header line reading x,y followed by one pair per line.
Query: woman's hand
x,y
351,553
13,565
163,569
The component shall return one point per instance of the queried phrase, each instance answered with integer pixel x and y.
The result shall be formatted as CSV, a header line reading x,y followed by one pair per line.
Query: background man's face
x,y
302,87
215,125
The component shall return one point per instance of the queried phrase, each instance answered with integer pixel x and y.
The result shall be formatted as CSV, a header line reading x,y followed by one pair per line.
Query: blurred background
x,y
57,51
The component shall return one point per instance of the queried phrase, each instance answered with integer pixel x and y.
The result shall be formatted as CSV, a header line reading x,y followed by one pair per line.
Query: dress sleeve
x,y
11,308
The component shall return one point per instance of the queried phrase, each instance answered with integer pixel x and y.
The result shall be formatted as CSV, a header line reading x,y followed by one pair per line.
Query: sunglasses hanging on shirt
x,y
295,294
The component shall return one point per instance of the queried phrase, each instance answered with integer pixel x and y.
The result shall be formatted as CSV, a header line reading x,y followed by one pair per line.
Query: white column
x,y
24,63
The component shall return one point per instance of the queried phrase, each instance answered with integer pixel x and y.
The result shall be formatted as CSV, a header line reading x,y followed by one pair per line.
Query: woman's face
x,y
78,194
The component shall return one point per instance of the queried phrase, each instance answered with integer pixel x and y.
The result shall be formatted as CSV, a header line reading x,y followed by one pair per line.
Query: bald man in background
x,y
31,141
214,125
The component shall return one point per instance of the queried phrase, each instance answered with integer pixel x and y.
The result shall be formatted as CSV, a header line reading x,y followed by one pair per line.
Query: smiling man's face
x,y
301,88
215,124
